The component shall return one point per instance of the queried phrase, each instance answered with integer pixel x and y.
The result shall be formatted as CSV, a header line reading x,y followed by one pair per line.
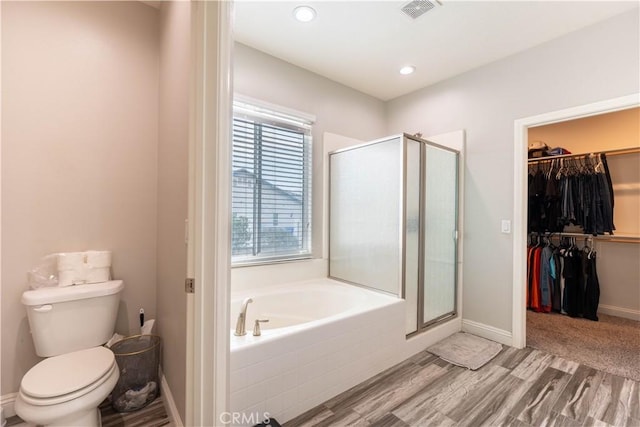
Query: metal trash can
x,y
138,358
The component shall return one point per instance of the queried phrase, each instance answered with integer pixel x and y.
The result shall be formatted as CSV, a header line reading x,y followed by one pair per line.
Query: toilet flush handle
x,y
43,308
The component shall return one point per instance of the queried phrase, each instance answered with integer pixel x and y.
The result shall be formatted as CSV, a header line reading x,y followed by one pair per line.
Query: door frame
x,y
521,126
209,243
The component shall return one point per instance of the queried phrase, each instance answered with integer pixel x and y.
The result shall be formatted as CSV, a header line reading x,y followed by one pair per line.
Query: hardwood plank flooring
x,y
152,415
518,388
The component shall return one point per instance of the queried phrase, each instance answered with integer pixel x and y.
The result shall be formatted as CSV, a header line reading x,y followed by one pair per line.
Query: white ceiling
x,y
363,44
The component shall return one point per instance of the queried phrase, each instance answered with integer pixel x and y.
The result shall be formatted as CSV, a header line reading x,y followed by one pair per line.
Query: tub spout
x,y
242,317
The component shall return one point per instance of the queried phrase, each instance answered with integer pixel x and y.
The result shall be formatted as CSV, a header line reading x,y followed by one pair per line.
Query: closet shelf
x,y
617,152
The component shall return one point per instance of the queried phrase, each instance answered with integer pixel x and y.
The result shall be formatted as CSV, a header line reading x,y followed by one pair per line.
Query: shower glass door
x,y
440,181
365,224
393,222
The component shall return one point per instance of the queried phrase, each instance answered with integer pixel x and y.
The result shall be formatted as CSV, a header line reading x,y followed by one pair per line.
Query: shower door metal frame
x,y
421,324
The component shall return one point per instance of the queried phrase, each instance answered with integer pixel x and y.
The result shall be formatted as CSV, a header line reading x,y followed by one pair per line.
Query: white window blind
x,y
271,194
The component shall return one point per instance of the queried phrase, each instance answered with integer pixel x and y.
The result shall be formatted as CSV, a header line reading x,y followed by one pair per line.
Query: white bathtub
x,y
322,338
301,305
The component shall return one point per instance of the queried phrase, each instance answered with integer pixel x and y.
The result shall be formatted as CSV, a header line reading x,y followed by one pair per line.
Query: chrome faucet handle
x,y
256,327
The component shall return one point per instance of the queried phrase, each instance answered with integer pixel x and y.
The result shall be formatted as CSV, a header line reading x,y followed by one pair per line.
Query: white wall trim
x,y
169,403
488,332
521,126
627,313
6,402
209,213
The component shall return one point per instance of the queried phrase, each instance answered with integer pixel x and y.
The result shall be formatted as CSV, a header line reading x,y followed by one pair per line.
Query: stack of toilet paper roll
x,y
79,268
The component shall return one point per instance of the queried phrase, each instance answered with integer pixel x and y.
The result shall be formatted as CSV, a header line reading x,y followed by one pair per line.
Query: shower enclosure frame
x,y
401,291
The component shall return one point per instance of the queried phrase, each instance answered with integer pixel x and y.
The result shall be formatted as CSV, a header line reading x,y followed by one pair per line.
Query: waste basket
x,y
138,358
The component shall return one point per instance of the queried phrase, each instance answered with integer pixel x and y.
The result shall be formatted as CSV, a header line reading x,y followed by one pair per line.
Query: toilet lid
x,y
67,373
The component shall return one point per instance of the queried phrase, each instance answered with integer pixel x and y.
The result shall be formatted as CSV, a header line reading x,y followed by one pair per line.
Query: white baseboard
x,y
488,332
169,403
619,312
7,401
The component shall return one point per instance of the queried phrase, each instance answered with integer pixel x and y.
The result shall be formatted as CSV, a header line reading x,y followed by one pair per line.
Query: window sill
x,y
272,262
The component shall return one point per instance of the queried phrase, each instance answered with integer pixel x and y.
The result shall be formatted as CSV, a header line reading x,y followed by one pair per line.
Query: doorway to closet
x,y
583,240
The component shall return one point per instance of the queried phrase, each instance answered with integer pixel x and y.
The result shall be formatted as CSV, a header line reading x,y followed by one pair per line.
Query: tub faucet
x,y
256,328
242,317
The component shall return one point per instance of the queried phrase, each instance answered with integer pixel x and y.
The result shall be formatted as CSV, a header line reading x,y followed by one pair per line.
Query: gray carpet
x,y
466,350
611,344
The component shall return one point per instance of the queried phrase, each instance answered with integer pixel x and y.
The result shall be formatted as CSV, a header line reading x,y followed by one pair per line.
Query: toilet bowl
x,y
68,326
66,390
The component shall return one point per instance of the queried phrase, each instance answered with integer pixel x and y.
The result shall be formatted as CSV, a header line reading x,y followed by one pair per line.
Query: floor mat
x,y
466,350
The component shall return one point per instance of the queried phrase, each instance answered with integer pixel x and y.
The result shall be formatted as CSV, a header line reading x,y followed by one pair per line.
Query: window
x,y
271,193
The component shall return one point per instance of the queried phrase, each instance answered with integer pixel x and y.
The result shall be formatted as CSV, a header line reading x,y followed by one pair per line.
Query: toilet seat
x,y
62,378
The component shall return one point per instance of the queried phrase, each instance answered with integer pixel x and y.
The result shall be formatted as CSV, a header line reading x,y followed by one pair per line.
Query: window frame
x,y
263,113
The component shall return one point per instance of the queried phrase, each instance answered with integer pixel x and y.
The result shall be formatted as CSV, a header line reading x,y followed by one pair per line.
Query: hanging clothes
x,y
546,278
537,214
556,273
533,273
542,271
571,191
573,282
562,279
592,287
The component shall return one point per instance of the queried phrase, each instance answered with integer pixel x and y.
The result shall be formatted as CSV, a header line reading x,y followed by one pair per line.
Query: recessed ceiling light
x,y
407,69
304,13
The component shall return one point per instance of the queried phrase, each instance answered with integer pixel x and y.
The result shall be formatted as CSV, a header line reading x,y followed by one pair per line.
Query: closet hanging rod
x,y
617,152
617,238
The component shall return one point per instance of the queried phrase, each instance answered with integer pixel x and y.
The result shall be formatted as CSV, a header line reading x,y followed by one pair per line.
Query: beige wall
x,y
79,151
618,270
611,131
173,192
596,63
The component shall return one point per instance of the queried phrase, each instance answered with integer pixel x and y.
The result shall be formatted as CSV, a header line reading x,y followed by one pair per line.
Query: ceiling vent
x,y
417,8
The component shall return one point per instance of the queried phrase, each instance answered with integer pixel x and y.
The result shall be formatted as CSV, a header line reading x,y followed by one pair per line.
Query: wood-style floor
x,y
517,388
521,388
152,415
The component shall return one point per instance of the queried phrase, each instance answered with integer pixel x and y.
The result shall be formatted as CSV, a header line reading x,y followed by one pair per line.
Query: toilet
x,y
69,325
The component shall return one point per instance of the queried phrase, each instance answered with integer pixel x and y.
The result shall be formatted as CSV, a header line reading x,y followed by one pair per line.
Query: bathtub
x,y
323,337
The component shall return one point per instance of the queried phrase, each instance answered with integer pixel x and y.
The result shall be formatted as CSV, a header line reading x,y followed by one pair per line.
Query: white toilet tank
x,y
71,318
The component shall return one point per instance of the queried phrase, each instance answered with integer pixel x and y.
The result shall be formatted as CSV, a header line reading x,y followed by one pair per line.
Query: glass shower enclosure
x,y
393,218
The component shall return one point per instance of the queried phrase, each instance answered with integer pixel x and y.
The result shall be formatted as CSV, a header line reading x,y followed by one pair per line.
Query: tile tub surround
x,y
292,369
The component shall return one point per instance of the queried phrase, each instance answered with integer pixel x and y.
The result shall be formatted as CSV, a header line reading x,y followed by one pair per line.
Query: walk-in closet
x,y
583,249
